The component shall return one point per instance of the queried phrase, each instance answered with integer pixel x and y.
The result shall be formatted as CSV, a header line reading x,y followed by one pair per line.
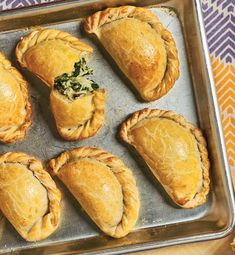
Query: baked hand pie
x,y
174,150
59,59
49,53
103,185
15,108
28,196
141,46
77,103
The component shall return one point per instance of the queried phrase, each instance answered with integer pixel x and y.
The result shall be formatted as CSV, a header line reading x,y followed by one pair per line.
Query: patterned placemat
x,y
12,4
219,18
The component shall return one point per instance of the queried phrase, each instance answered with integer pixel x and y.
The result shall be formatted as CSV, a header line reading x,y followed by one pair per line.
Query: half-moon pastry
x,y
141,46
15,108
174,150
77,103
28,196
48,53
103,185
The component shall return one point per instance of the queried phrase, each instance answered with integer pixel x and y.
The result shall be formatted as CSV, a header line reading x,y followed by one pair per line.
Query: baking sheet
x,y
43,141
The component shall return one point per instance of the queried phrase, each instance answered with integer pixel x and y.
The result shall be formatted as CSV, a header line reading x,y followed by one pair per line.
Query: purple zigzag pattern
x,y
219,21
12,4
222,3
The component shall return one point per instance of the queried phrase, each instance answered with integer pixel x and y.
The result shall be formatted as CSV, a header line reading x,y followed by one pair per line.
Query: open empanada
x,y
59,59
28,196
103,186
77,103
142,47
48,53
15,108
174,150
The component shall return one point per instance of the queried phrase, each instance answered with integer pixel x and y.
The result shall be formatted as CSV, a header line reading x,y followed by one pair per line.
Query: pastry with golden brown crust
x,y
103,186
59,59
174,150
141,46
49,53
28,196
15,108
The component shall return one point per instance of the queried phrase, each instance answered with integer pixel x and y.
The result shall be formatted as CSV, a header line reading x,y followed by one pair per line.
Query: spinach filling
x,y
75,84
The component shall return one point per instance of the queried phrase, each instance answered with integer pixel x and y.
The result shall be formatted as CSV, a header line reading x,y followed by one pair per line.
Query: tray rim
x,y
195,238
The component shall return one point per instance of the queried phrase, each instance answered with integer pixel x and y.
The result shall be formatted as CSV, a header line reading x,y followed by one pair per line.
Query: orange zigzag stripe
x,y
224,77
226,101
222,83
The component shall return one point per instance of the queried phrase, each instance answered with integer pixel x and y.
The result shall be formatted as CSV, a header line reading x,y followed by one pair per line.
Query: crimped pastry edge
x,y
12,135
94,22
130,192
50,221
200,198
39,35
91,126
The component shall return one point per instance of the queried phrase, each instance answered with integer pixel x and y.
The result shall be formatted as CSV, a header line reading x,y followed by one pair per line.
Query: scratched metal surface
x,y
44,142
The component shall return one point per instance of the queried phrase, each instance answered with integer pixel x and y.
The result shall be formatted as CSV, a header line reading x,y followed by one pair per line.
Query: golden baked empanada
x,y
103,186
142,47
49,53
174,150
28,196
59,59
15,108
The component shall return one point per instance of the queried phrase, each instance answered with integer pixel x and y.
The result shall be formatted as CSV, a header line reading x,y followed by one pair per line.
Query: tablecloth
x,y
219,18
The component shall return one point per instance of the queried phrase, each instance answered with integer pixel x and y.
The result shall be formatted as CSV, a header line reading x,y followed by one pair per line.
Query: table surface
x,y
219,19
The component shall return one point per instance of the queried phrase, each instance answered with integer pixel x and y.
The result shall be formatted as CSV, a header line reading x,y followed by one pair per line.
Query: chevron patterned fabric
x,y
219,19
12,4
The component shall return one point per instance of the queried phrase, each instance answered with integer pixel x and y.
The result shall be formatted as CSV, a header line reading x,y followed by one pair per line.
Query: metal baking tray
x,y
160,223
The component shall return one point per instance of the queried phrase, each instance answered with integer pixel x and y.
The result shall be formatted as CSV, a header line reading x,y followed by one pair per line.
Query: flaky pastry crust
x,y
149,88
69,118
200,197
122,174
72,46
13,132
47,224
